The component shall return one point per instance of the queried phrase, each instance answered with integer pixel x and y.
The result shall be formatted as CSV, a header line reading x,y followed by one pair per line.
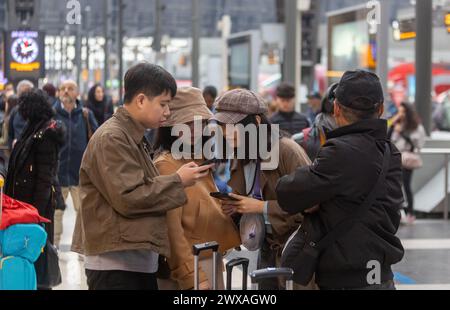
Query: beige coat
x,y
200,220
124,201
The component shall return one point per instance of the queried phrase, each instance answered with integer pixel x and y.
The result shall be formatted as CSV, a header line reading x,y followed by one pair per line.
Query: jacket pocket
x,y
201,221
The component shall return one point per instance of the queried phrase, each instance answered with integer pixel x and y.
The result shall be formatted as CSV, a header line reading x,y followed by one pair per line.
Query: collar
x,y
77,105
132,127
376,128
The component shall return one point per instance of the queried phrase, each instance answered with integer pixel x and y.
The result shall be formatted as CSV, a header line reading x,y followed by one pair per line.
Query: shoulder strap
x,y
409,141
346,225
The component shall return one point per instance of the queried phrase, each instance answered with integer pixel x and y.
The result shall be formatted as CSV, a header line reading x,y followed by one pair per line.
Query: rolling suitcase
x,y
244,262
17,274
269,273
197,250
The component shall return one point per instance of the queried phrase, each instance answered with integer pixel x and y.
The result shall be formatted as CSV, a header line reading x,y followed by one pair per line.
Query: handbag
x,y
47,268
302,251
411,161
252,227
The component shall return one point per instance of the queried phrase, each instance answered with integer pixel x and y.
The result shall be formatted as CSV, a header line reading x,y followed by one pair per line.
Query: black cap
x,y
360,90
315,95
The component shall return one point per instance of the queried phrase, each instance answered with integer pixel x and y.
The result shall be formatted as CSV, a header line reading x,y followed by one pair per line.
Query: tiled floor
x,y
425,266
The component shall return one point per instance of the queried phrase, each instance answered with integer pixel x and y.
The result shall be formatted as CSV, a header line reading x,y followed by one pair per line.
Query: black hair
x,y
149,79
50,89
210,90
164,139
91,93
286,91
412,119
34,106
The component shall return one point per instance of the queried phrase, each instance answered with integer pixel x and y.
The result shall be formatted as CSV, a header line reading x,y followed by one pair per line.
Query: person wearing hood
x,y
99,104
312,139
33,165
201,219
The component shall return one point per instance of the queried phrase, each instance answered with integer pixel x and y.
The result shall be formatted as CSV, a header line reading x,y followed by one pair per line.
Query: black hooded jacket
x,y
341,177
33,167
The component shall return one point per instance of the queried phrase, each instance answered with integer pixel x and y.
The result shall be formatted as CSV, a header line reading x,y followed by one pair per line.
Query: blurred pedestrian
x,y
100,104
50,89
289,120
408,135
80,125
16,121
312,139
314,106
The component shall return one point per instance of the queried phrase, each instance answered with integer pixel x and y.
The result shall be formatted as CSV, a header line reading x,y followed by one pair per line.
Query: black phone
x,y
213,161
223,196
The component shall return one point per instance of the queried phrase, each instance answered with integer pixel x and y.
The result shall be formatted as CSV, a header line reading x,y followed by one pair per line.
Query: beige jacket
x,y
124,201
200,220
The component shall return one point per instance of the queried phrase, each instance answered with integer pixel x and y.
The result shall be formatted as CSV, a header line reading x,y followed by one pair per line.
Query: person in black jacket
x,y
289,120
32,171
335,186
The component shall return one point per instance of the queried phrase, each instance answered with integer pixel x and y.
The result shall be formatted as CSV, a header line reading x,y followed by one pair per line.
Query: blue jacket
x,y
76,142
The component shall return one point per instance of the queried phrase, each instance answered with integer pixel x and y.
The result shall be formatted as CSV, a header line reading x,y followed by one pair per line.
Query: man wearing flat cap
x,y
356,182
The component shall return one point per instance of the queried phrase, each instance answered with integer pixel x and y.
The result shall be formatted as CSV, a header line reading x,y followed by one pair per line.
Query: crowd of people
x,y
140,209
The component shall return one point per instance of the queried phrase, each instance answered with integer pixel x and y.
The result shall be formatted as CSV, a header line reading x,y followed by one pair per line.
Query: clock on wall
x,y
24,50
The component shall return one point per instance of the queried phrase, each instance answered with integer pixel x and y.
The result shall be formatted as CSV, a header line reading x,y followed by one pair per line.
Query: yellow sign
x,y
407,35
85,75
447,21
25,67
98,75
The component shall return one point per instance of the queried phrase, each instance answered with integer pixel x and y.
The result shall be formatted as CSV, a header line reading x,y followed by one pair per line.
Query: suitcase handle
x,y
244,262
196,250
199,248
269,273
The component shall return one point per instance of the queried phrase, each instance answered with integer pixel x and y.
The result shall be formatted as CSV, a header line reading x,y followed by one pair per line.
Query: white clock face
x,y
24,50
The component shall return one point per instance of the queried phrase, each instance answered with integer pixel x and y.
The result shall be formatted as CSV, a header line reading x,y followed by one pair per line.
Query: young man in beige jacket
x,y
121,226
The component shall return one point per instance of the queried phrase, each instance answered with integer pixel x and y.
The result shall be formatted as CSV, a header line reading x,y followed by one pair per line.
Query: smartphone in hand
x,y
223,196
213,161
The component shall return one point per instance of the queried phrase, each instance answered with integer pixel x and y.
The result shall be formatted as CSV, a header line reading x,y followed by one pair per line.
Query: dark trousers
x,y
121,281
407,178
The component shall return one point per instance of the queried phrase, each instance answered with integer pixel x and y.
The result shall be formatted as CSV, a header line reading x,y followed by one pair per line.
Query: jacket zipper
x,y
69,149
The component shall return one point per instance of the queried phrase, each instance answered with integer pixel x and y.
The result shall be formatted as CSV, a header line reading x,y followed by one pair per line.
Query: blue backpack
x,y
26,241
17,274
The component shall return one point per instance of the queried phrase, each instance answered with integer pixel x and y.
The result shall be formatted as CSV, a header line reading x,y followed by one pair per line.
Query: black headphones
x,y
328,99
